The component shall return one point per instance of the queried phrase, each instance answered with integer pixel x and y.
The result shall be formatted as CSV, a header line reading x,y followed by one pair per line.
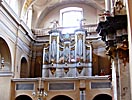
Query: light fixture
x,y
2,62
40,93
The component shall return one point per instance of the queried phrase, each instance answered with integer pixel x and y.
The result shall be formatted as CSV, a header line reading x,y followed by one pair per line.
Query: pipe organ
x,y
67,55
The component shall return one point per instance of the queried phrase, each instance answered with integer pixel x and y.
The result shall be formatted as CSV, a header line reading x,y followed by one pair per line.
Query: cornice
x,y
16,19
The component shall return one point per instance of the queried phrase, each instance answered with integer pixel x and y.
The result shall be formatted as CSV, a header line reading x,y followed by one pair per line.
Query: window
x,y
70,17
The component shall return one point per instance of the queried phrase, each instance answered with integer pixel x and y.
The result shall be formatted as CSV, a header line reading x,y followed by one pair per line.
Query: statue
x,y
55,24
120,8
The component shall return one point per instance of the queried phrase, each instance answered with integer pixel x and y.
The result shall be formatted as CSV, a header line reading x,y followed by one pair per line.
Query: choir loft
x,y
65,49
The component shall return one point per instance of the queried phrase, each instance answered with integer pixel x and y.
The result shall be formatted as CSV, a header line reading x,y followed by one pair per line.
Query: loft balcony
x,y
92,86
42,32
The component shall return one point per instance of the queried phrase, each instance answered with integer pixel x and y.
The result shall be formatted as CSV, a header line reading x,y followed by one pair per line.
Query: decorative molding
x,y
4,29
23,46
16,19
6,74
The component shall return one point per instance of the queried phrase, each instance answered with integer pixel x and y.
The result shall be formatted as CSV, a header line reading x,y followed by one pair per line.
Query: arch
x,y
5,55
23,97
10,49
25,7
102,97
76,15
61,97
24,68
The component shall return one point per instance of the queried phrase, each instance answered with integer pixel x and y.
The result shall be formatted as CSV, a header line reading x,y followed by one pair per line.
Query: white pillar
x,y
112,7
108,5
129,14
124,81
82,95
114,79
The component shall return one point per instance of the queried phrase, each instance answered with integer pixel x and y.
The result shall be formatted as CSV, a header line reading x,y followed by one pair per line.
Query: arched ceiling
x,y
42,7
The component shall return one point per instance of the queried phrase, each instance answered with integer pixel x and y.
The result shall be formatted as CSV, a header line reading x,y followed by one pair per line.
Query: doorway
x,y
102,97
23,97
61,97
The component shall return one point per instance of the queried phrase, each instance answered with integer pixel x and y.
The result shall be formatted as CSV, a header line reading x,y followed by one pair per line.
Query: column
x,y
129,13
108,5
82,89
124,81
82,95
114,79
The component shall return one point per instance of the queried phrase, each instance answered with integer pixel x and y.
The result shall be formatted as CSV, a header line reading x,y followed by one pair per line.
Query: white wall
x,y
90,14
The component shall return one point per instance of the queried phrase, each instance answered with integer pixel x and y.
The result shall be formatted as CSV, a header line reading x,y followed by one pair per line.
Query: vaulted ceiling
x,y
42,7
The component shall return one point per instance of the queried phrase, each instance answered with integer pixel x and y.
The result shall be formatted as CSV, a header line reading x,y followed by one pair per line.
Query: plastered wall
x,y
89,13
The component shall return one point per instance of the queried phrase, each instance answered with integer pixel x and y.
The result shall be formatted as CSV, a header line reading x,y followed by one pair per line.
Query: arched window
x,y
70,17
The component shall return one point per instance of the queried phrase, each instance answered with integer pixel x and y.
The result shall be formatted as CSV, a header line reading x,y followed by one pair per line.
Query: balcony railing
x,y
53,86
42,32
